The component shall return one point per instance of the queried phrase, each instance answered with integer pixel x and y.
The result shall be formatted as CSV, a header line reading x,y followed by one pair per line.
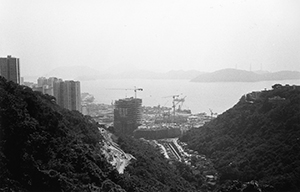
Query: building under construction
x,y
127,115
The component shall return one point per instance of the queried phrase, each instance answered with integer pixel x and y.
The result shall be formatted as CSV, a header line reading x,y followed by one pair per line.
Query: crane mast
x,y
176,100
135,89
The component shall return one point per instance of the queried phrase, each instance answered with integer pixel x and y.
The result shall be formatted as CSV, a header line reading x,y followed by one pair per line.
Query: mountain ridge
x,y
87,73
236,75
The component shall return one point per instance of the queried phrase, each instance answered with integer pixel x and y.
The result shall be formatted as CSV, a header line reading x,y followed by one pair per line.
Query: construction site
x,y
160,126
127,115
169,122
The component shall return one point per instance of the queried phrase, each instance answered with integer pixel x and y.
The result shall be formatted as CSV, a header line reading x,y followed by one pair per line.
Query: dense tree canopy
x,y
257,139
46,148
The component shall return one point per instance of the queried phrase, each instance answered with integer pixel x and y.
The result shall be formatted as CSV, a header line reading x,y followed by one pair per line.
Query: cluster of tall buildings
x,y
67,93
127,112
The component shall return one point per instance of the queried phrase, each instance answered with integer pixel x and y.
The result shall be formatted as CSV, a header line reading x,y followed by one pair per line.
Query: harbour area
x,y
154,125
159,126
160,122
153,119
148,122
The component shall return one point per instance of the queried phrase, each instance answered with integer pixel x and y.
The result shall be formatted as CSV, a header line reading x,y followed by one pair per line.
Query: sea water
x,y
199,97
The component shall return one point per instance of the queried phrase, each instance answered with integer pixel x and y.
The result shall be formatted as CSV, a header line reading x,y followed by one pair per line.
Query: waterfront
x,y
200,96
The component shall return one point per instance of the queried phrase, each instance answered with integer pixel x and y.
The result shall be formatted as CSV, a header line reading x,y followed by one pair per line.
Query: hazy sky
x,y
156,35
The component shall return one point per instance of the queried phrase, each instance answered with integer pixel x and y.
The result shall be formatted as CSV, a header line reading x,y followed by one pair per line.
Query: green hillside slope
x,y
257,139
46,148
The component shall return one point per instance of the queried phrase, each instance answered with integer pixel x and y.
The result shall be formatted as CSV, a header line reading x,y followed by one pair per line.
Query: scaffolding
x,y
127,115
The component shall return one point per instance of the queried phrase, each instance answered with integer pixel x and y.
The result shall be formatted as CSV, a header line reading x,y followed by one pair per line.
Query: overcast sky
x,y
156,35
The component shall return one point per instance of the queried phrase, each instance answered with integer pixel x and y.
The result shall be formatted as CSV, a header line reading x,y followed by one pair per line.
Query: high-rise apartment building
x,y
46,86
41,81
10,68
127,115
68,94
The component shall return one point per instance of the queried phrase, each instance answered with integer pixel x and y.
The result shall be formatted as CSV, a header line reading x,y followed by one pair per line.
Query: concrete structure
x,y
22,81
127,115
68,94
10,68
46,86
41,81
158,131
50,81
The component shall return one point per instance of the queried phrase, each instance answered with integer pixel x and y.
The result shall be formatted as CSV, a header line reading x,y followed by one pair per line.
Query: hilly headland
x,y
235,75
257,139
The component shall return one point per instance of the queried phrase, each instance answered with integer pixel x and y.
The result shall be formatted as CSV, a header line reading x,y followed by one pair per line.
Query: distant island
x,y
235,75
84,73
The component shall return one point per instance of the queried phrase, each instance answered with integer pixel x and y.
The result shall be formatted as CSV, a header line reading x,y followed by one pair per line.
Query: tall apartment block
x,y
10,68
68,94
46,86
127,115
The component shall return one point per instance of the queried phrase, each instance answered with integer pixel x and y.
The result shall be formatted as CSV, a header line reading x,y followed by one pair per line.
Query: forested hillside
x,y
257,139
46,148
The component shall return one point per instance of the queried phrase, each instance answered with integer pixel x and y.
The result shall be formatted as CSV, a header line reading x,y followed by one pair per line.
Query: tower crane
x,y
135,89
176,101
180,100
173,102
212,113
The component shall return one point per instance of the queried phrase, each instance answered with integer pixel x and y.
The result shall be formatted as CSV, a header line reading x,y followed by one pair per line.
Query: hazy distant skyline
x,y
155,35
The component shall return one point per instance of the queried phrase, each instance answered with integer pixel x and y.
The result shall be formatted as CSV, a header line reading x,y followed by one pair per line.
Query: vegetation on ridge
x,y
257,139
46,148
